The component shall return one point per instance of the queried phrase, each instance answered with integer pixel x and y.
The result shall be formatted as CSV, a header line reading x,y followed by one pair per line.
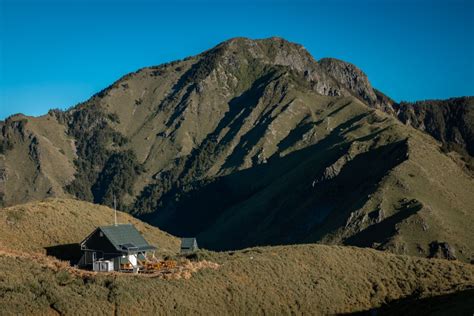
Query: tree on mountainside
x,y
117,178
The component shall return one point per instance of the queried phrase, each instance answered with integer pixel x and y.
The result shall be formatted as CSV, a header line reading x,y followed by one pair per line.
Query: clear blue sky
x,y
54,54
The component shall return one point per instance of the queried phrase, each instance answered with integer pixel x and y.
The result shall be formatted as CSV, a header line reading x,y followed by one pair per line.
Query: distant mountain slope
x,y
254,142
37,159
449,121
33,227
305,279
369,182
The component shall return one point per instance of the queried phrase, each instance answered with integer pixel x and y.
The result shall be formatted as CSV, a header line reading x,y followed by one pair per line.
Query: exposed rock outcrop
x,y
442,250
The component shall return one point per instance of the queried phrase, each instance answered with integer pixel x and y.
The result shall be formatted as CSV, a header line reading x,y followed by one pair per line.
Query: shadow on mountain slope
x,y
459,303
381,232
250,207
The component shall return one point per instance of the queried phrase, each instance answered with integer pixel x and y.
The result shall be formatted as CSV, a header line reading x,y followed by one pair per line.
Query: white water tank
x,y
103,266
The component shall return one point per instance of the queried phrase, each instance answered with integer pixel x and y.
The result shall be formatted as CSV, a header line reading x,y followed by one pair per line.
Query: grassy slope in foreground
x,y
34,226
275,280
308,279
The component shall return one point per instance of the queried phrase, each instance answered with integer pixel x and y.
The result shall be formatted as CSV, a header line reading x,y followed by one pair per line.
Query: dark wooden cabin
x,y
116,246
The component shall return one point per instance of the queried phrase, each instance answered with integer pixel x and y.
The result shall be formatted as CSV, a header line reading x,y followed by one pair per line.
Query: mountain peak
x,y
243,54
328,76
272,49
241,40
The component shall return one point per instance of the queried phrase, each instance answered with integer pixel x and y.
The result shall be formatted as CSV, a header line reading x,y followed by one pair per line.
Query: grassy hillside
x,y
36,159
32,227
307,279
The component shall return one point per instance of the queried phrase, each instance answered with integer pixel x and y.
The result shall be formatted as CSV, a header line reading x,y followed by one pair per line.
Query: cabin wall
x,y
98,241
117,262
99,244
88,256
86,260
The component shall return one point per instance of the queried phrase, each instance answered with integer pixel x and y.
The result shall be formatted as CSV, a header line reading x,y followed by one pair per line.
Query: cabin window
x,y
101,234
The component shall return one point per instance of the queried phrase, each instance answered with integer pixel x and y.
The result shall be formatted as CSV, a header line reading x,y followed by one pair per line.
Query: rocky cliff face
x,y
252,142
351,77
449,121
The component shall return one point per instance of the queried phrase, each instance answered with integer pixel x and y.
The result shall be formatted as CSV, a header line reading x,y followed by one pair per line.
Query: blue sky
x,y
54,54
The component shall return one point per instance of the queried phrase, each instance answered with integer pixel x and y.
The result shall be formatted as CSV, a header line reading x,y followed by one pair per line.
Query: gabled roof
x,y
125,238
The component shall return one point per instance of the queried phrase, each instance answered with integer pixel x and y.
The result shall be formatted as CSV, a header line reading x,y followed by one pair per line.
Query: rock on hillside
x,y
351,77
252,142
357,82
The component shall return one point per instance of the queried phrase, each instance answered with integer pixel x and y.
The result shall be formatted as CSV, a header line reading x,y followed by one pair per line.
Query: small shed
x,y
188,245
116,247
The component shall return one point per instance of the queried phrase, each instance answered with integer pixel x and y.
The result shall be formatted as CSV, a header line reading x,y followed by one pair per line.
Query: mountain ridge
x,y
256,137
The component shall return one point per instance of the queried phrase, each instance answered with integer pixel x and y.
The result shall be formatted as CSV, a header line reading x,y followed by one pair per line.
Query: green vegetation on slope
x,y
101,170
116,178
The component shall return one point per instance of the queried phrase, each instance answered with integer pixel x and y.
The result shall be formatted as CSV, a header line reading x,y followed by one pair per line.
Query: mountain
x,y
254,142
301,279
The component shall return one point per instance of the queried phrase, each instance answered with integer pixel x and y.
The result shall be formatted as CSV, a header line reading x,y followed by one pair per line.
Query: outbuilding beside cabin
x,y
189,245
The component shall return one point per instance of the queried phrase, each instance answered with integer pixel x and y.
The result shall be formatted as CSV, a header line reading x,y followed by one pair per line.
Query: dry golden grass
x,y
305,279
300,279
183,270
34,226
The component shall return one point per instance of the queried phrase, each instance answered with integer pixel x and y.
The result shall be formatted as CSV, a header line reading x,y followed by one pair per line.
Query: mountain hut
x,y
114,248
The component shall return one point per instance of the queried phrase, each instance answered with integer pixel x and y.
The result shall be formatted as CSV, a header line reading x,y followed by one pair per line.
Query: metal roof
x,y
126,238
